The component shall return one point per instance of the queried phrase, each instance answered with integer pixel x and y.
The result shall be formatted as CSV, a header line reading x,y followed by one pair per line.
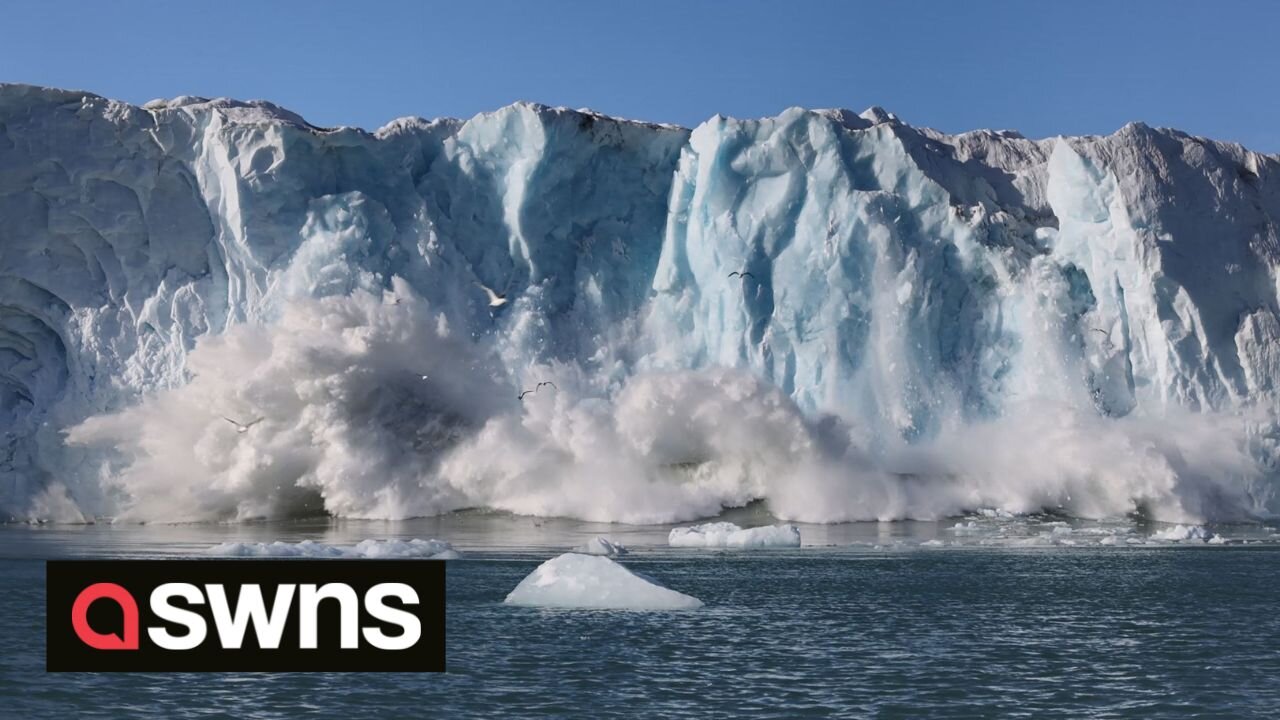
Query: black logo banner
x,y
245,615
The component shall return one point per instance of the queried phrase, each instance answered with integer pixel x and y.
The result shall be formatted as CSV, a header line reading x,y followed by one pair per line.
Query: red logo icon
x,y
105,641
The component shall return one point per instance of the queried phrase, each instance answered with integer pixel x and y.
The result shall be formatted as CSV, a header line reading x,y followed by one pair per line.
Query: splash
x,y
354,401
371,406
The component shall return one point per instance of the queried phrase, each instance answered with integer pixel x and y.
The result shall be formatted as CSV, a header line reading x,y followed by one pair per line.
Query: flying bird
x,y
1104,332
526,392
242,428
742,274
496,300
548,382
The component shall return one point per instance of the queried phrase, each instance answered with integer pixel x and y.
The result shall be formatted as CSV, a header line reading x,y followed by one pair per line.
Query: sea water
x,y
976,617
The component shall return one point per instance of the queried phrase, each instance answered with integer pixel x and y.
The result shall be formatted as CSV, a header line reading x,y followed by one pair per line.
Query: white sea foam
x,y
724,534
1183,533
575,580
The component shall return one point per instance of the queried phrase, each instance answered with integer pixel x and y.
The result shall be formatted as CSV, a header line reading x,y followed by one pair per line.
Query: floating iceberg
x,y
725,534
384,549
574,580
600,545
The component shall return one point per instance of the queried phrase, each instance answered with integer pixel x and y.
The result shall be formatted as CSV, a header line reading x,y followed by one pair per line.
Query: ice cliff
x,y
841,314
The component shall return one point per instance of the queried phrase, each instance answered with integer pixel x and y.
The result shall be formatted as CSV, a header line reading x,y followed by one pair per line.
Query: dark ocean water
x,y
841,631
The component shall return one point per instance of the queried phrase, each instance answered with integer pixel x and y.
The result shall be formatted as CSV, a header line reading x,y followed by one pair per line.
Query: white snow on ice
x,y
575,580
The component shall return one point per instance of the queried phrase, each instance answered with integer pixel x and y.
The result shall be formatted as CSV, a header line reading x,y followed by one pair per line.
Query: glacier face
x,y
916,323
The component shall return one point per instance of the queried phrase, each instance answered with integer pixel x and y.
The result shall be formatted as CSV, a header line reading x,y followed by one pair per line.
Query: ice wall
x,y
899,295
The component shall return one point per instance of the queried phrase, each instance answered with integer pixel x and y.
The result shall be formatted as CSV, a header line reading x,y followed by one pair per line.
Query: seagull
x,y
426,377
1104,332
548,382
242,428
742,274
526,392
496,300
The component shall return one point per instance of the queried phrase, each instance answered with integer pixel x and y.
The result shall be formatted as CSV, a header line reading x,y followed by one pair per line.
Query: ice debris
x,y
726,534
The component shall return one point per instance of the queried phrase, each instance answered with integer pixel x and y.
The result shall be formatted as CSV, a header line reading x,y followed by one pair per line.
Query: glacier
x,y
840,314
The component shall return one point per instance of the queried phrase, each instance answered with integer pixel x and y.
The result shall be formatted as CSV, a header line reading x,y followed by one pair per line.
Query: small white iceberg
x,y
431,549
726,534
574,580
600,545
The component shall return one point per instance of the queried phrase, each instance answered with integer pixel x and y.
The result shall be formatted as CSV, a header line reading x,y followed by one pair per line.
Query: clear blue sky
x,y
1083,66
